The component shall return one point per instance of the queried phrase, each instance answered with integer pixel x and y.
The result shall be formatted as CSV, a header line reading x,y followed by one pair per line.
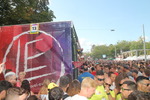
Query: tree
x,y
123,46
24,11
99,51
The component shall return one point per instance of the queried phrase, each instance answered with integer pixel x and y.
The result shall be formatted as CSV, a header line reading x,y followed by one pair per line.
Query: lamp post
x,y
115,52
144,43
115,46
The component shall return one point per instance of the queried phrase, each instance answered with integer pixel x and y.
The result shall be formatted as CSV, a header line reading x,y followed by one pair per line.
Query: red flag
x,y
77,64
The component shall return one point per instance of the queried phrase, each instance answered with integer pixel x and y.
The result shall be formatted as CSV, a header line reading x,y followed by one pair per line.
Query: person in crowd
x,y
93,71
109,94
74,88
146,73
32,97
50,87
126,69
127,88
106,70
4,86
21,77
43,93
100,91
55,93
64,84
118,79
113,69
88,87
119,70
26,85
137,68
98,67
11,77
70,77
138,95
16,93
135,74
8,70
85,74
112,76
143,84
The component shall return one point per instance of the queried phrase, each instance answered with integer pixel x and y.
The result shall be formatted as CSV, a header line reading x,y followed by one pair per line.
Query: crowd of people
x,y
97,80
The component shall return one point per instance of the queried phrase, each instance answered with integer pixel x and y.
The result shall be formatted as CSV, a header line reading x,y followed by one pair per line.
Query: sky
x,y
94,20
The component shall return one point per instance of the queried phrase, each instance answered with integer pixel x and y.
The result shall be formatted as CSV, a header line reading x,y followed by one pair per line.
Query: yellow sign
x,y
34,28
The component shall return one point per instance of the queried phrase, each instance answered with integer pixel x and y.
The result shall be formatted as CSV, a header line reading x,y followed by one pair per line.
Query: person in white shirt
x,y
88,87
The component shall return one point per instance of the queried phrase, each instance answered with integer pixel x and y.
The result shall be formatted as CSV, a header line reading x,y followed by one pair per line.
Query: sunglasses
x,y
101,79
125,89
107,84
120,84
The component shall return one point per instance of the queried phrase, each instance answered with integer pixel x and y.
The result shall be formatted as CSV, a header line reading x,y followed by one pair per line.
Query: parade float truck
x,y
42,50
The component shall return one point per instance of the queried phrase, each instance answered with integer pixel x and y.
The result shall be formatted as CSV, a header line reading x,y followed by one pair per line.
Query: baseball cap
x,y
52,85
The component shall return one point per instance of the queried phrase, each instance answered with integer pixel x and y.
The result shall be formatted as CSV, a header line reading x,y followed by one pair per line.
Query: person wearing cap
x,y
11,77
49,87
52,85
55,93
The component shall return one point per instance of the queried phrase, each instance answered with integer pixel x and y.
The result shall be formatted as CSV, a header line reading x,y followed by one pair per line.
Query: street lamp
x,y
115,46
115,52
144,43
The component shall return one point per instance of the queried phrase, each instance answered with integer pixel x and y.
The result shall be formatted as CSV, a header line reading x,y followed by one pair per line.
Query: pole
x,y
115,52
144,43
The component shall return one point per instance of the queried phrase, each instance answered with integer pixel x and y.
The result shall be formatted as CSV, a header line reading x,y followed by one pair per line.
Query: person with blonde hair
x,y
42,94
21,77
88,87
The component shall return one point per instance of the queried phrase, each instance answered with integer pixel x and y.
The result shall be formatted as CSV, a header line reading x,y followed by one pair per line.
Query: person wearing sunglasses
x,y
127,88
109,94
143,84
100,91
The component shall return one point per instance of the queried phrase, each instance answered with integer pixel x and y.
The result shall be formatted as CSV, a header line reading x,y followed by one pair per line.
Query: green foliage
x,y
99,51
24,11
122,46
